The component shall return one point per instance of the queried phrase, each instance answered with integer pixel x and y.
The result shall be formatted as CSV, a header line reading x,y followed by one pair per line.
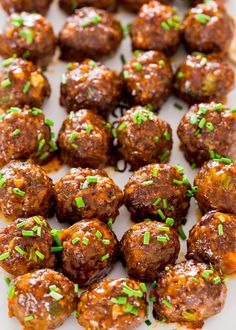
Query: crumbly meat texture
x,y
89,33
189,293
22,83
25,190
147,79
18,6
42,300
135,5
29,36
157,192
69,6
90,85
147,247
86,194
143,138
98,308
90,250
26,243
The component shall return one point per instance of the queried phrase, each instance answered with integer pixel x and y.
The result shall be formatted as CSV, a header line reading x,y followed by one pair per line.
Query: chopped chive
x,y
178,106
6,83
56,249
202,123
91,179
206,273
188,316
49,122
134,311
161,214
27,233
28,35
7,281
76,288
216,280
92,63
178,182
39,231
85,240
167,303
73,136
4,256
75,240
165,26
119,300
89,128
55,295
105,257
2,181
166,136
147,183
16,132
79,202
164,202
143,287
148,323
126,74
156,139
11,291
165,155
138,66
98,234
194,279
157,201
182,233
8,61
180,75
26,87
220,229
106,241
39,254
202,18
154,284
19,250
164,228
18,192
155,172
146,238
210,127
122,126
162,239
28,318
63,79
122,58
152,299
131,292
221,217
109,223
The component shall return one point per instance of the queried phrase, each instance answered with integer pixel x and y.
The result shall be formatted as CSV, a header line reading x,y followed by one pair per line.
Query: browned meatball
x,y
71,5
216,182
17,6
90,85
86,194
158,192
203,78
89,33
25,246
208,128
90,250
25,190
29,36
213,240
143,138
85,140
157,27
113,304
148,79
21,83
25,133
42,300
147,247
189,293
208,28
134,5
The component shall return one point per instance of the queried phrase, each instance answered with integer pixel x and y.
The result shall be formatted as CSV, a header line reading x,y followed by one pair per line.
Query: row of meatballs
x,y
87,251
140,137
94,33
11,6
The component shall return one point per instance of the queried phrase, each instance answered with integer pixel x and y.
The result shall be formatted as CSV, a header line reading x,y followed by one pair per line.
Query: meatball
x,y
147,247
203,78
90,250
157,27
208,128
17,6
189,293
90,85
69,6
148,79
208,28
216,182
85,139
21,83
89,33
213,240
42,300
113,304
158,192
86,194
25,190
134,5
196,2
24,134
143,138
25,246
29,36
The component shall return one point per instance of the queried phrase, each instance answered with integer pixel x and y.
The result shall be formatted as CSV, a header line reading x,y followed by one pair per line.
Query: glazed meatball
x,y
208,128
158,192
212,240
25,134
147,247
89,33
135,5
216,182
25,190
143,138
111,304
25,246
157,27
29,36
42,300
208,28
85,140
90,250
86,194
189,293
90,85
17,6
69,6
21,83
203,78
148,79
